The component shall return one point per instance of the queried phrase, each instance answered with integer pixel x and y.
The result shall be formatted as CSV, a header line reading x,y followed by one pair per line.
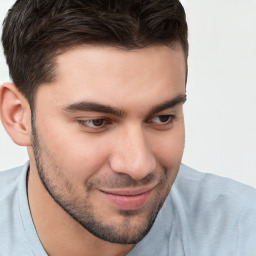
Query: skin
x,y
79,156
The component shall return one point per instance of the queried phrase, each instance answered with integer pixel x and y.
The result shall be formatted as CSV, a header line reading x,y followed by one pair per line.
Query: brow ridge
x,y
94,107
179,99
97,107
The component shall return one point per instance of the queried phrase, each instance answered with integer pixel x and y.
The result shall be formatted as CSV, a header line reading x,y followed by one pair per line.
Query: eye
x,y
162,122
94,123
162,119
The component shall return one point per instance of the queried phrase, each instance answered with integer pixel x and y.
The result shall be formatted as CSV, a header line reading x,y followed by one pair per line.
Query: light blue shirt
x,y
204,215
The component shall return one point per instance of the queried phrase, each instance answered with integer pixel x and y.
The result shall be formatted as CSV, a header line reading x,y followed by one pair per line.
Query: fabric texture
x,y
203,215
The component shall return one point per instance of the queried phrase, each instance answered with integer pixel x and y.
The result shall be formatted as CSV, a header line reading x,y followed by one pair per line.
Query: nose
x,y
132,154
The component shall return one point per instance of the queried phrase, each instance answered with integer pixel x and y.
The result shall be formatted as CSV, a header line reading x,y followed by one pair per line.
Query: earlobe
x,y
15,114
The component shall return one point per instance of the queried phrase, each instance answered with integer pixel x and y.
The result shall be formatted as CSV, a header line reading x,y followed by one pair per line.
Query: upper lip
x,y
128,191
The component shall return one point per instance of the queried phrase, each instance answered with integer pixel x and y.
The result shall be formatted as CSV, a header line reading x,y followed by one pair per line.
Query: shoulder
x,y
208,193
210,187
214,210
12,235
9,181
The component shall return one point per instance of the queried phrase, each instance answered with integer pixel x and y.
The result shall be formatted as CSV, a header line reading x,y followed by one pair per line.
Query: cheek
x,y
169,148
74,153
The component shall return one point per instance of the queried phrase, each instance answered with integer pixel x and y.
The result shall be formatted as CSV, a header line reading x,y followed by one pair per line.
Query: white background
x,y
220,111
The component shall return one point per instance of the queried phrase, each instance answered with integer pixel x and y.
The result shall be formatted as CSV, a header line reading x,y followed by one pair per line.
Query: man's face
x,y
109,136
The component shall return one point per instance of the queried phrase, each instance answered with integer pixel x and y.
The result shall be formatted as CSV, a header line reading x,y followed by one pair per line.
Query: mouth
x,y
128,199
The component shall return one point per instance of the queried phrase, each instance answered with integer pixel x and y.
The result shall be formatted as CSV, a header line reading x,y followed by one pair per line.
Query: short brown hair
x,y
34,31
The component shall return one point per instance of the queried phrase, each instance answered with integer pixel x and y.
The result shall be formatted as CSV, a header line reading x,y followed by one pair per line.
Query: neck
x,y
58,232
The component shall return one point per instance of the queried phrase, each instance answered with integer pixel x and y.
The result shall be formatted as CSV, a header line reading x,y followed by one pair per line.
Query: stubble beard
x,y
82,211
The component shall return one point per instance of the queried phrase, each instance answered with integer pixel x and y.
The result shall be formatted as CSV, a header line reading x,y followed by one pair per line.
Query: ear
x,y
15,114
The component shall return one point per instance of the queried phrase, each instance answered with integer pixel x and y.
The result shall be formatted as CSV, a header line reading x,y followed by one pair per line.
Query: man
x,y
97,95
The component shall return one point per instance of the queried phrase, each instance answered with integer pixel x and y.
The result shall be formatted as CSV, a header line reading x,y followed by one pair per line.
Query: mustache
x,y
121,180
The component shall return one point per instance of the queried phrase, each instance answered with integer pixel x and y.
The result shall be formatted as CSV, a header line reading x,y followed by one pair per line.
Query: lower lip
x,y
128,202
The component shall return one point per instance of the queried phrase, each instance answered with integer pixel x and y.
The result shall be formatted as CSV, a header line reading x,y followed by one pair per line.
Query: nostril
x,y
137,167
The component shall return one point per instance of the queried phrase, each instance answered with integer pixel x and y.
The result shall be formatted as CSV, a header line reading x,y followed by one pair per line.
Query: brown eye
x,y
93,123
162,119
97,122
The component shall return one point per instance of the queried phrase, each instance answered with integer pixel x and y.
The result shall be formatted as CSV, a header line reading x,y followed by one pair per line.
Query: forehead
x,y
117,59
108,74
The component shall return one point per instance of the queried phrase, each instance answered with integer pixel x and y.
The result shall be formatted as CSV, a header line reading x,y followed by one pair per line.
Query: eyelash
x,y
170,118
105,122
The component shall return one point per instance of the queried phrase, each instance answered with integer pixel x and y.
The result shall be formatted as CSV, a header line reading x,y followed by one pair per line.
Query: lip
x,y
128,199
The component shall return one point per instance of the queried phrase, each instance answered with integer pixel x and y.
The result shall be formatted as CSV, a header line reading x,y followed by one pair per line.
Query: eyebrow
x,y
94,107
179,99
97,107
